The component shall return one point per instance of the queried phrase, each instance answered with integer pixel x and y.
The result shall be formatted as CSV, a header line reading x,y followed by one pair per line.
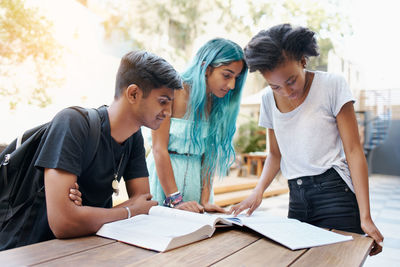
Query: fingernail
x,y
380,244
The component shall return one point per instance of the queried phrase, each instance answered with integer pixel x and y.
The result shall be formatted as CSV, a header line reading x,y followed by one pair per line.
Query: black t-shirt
x,y
64,148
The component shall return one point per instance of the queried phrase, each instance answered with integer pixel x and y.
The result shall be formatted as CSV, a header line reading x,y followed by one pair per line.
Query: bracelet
x,y
174,194
173,200
129,212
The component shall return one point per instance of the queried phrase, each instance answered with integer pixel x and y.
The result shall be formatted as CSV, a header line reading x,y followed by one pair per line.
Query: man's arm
x,y
135,188
138,186
69,220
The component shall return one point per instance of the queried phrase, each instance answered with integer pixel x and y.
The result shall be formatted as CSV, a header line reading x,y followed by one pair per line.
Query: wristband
x,y
129,212
174,194
173,200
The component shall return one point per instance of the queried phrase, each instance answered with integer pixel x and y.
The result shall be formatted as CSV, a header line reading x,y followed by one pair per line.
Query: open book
x,y
165,229
288,232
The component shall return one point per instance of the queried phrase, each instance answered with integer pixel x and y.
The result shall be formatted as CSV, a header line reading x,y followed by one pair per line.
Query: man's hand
x,y
192,206
251,202
140,204
75,195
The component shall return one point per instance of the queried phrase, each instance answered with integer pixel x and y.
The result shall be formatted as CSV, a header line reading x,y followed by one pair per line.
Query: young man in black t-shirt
x,y
145,85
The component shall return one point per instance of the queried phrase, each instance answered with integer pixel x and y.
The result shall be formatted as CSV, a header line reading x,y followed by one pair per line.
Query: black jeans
x,y
324,200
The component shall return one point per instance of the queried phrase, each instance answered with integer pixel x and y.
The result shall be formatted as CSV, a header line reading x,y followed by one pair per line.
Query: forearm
x,y
77,221
359,174
205,192
270,169
165,172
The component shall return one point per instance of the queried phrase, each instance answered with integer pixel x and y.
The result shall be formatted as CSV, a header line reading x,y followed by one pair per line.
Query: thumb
x,y
200,207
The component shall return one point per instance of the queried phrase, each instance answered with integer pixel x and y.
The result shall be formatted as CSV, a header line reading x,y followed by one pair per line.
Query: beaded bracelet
x,y
173,200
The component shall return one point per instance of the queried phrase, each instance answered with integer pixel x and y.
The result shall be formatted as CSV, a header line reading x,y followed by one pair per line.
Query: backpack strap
x,y
93,136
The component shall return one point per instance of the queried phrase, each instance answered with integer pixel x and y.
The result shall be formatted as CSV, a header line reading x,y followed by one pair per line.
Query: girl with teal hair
x,y
195,143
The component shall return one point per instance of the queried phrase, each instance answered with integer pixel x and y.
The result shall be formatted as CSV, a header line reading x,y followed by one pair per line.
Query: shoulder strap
x,y
93,136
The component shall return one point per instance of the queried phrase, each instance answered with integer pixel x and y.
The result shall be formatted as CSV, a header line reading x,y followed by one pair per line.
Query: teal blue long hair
x,y
219,152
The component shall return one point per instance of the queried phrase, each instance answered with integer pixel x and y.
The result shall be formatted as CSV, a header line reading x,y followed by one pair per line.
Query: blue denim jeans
x,y
324,200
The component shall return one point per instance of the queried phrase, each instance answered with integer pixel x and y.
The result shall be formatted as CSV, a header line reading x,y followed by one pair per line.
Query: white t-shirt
x,y
308,137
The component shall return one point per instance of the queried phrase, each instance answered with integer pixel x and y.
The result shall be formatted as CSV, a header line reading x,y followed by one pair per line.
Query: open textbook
x,y
165,229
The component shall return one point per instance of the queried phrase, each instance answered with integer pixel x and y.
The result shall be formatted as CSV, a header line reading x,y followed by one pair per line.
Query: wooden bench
x,y
232,190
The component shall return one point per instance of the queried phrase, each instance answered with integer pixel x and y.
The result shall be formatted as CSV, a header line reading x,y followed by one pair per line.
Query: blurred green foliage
x,y
250,137
26,46
188,19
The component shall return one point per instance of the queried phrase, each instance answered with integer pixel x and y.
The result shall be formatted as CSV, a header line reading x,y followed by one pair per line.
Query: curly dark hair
x,y
271,48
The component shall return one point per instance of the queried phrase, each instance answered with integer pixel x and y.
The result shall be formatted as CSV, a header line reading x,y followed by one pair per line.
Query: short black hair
x,y
273,47
146,70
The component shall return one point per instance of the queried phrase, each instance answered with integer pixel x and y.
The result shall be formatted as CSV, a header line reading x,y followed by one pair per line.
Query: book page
x,y
230,218
155,232
290,232
176,214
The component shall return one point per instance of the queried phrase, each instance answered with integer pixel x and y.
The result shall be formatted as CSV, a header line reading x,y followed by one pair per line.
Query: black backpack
x,y
22,194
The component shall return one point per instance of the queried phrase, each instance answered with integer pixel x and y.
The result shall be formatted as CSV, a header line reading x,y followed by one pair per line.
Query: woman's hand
x,y
209,207
370,229
251,202
75,195
192,206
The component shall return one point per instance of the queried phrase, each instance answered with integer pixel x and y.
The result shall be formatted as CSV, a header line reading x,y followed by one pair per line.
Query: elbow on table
x,y
60,230
67,228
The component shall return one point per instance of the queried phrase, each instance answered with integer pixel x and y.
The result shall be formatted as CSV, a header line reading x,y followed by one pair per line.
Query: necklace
x,y
115,183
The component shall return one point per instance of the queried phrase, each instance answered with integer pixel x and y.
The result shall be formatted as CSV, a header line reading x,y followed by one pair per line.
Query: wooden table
x,y
258,158
227,247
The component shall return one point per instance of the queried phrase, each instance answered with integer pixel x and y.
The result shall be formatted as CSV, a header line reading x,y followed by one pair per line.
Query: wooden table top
x,y
227,247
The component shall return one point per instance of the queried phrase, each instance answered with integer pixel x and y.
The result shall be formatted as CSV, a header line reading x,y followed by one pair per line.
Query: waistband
x,y
312,179
183,154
